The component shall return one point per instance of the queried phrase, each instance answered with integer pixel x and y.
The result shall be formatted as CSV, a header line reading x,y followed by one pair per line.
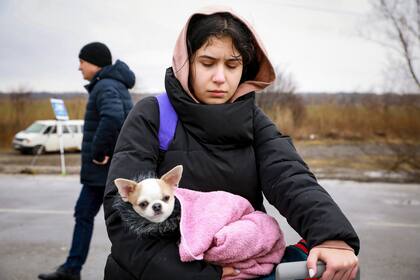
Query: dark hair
x,y
202,27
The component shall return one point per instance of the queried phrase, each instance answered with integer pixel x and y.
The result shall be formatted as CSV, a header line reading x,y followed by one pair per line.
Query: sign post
x,y
61,116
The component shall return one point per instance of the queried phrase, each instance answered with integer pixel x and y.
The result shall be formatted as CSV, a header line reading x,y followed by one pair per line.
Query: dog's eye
x,y
166,198
144,204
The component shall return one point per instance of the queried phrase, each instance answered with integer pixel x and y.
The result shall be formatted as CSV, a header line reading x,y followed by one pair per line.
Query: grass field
x,y
372,119
327,125
350,122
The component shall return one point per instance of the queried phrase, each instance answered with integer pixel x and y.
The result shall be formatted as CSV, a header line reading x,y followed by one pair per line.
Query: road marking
x,y
35,211
385,224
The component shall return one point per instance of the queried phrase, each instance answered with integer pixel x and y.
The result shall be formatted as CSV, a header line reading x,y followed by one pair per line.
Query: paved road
x,y
36,223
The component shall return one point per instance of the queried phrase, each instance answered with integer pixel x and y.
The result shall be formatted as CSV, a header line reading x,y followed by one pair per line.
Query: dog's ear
x,y
125,187
173,176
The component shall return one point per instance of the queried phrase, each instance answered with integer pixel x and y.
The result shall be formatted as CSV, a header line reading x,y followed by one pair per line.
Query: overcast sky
x,y
316,40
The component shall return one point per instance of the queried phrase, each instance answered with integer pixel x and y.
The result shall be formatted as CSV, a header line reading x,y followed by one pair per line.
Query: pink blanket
x,y
224,229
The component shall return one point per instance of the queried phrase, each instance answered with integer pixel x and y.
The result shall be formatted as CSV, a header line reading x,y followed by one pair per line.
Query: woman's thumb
x,y
311,263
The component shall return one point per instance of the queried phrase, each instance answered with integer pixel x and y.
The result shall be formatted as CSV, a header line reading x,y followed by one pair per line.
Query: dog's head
x,y
151,198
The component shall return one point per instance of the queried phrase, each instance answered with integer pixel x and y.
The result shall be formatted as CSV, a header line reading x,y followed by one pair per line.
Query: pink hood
x,y
180,64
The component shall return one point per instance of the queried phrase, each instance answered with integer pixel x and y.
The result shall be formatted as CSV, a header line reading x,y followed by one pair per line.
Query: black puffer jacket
x,y
232,147
107,107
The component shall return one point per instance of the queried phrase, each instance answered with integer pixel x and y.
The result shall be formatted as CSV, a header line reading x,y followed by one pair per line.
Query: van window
x,y
66,129
51,130
35,128
48,130
73,128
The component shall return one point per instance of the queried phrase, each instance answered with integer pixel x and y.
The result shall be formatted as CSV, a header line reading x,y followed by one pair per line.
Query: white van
x,y
41,136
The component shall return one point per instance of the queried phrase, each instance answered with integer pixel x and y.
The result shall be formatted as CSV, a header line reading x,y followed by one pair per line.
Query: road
x,y
36,224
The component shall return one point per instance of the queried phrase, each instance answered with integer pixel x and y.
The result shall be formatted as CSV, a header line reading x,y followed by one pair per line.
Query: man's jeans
x,y
87,206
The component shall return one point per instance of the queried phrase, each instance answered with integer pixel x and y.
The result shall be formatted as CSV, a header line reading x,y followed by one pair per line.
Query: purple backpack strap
x,y
168,120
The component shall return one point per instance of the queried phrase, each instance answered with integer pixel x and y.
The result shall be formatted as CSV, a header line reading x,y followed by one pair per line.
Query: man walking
x,y
107,107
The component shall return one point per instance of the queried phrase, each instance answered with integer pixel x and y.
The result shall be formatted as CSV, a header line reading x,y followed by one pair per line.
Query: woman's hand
x,y
341,262
230,271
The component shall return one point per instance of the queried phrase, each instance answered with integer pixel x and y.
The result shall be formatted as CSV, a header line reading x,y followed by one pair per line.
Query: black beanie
x,y
97,54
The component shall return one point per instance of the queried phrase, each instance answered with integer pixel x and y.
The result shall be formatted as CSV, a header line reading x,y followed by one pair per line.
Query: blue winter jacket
x,y
107,107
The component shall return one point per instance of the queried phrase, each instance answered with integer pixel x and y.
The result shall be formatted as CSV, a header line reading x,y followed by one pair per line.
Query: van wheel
x,y
38,149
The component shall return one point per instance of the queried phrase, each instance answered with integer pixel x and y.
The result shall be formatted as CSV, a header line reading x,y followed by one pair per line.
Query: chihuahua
x,y
151,198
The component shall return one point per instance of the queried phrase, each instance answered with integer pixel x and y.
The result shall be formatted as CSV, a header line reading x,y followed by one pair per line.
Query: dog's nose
x,y
157,207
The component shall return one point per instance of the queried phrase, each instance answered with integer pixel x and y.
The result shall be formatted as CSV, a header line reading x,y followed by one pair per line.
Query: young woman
x,y
224,142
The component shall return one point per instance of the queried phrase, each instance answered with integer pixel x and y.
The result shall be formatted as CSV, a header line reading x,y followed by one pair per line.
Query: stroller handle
x,y
298,270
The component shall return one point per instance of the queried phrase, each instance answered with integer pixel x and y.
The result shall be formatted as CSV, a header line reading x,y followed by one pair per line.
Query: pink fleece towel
x,y
224,229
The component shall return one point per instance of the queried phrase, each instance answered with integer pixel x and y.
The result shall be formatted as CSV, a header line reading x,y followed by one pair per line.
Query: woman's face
x,y
215,71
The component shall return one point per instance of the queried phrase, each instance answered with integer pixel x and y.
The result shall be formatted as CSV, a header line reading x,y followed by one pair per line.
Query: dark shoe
x,y
61,273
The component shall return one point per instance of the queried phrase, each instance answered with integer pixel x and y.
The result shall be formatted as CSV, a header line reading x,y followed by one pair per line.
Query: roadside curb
x,y
324,174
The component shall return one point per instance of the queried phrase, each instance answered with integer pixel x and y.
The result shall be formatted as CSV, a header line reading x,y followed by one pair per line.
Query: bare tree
x,y
284,83
399,24
280,97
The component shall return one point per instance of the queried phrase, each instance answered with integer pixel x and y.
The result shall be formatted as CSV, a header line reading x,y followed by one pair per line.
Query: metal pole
x,y
60,137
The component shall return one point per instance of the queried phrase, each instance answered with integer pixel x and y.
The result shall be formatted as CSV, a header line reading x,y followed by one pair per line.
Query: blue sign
x,y
59,108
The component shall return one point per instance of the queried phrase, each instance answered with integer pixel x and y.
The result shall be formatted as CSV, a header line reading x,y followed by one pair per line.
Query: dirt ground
x,y
327,160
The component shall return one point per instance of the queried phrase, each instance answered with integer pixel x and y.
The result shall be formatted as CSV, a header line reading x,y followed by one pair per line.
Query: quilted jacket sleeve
x,y
111,117
290,186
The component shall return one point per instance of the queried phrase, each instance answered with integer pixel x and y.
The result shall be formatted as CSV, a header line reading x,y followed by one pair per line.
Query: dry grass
x,y
360,120
356,122
394,125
